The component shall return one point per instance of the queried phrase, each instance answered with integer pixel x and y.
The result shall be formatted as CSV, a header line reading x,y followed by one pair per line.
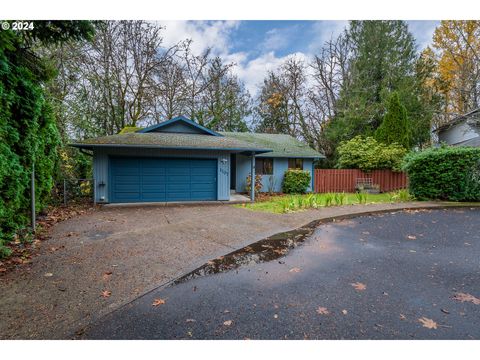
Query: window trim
x,y
257,168
295,162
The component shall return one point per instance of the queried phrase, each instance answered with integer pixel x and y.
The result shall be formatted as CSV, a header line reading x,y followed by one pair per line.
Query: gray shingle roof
x,y
282,145
271,145
170,141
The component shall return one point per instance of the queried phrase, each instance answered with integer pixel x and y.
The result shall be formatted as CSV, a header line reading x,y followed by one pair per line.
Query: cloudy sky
x,y
258,46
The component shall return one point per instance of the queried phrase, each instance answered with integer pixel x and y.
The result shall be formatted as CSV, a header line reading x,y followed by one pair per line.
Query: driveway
x,y
96,262
399,275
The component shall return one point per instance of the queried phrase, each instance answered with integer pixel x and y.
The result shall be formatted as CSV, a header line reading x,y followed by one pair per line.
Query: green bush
x,y
446,173
28,136
296,181
368,154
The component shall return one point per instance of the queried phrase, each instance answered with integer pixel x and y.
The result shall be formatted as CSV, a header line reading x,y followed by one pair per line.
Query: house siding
x,y
457,134
101,167
280,165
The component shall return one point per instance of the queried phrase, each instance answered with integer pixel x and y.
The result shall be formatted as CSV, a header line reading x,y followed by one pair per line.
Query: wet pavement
x,y
128,251
411,274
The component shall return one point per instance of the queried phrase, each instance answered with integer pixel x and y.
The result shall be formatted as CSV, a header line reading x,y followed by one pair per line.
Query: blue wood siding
x,y
180,127
102,158
280,165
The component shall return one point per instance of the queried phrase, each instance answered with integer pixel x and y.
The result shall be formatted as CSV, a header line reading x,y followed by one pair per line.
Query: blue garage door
x,y
154,179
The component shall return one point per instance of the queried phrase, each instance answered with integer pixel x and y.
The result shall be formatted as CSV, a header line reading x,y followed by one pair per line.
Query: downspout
x,y
252,177
313,175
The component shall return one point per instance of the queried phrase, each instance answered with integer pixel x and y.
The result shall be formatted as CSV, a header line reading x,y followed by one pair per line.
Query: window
x,y
295,164
263,166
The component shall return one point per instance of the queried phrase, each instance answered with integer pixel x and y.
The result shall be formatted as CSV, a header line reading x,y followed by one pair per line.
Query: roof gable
x,y
180,125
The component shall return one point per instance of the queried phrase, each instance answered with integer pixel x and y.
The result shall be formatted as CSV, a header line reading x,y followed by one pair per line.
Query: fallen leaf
x,y
465,297
411,237
106,275
228,322
428,323
295,270
359,286
445,311
48,274
402,317
344,312
158,302
322,311
106,293
280,251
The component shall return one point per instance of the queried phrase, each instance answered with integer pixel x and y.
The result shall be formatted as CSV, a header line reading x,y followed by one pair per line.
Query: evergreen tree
x,y
28,132
395,127
383,61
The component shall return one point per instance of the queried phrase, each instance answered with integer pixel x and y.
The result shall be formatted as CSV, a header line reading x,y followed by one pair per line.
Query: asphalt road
x,y
401,275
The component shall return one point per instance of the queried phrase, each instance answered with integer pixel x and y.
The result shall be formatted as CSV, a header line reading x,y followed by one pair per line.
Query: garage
x,y
162,179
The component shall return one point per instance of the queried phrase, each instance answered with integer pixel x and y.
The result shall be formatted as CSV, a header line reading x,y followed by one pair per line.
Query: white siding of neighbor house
x,y
101,166
457,134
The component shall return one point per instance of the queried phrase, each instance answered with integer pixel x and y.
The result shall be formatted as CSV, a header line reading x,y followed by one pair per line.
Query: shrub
x,y
329,199
446,173
368,154
296,181
258,184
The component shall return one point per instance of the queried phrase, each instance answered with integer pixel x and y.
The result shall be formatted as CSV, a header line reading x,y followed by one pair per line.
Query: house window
x,y
295,164
263,166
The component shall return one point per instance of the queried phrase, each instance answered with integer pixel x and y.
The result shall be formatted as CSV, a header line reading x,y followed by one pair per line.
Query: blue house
x,y
180,160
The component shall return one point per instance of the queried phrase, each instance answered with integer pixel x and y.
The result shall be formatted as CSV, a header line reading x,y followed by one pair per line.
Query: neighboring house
x,y
180,160
463,130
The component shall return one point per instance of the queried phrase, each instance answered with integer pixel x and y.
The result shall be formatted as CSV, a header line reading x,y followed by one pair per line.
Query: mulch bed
x,y
24,247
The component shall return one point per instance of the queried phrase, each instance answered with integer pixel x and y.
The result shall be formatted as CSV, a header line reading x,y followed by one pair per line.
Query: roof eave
x,y
246,150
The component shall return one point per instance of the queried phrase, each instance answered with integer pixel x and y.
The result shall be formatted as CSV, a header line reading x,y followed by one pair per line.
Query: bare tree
x,y
170,90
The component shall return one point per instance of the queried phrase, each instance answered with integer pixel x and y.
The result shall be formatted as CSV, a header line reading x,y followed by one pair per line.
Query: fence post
x,y
32,200
65,192
94,191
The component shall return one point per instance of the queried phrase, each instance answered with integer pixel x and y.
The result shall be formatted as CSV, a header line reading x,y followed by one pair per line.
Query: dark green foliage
x,y
296,181
446,173
56,31
367,154
395,127
28,132
383,61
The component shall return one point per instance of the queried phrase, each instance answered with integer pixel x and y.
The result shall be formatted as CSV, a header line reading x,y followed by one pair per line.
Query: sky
x,y
258,46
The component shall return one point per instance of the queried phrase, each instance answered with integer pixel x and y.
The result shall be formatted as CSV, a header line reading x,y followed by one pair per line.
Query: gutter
x,y
92,146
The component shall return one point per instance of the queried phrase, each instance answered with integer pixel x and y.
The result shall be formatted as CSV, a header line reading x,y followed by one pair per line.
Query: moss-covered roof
x,y
281,145
170,141
271,145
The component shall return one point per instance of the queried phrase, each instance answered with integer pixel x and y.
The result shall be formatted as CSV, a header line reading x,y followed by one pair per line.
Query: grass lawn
x,y
290,203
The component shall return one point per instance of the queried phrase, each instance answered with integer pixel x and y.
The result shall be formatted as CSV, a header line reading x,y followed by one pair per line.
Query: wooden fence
x,y
344,180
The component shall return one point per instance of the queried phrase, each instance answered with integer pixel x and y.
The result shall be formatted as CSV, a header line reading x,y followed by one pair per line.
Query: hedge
x,y
28,135
296,181
446,173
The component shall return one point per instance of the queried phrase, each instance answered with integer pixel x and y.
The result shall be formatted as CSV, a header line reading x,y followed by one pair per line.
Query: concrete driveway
x,y
123,252
399,275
